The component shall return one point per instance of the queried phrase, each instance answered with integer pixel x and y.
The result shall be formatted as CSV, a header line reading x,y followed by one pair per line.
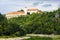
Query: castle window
x,y
28,13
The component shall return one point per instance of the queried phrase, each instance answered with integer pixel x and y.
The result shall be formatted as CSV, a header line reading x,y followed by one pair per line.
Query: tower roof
x,y
32,9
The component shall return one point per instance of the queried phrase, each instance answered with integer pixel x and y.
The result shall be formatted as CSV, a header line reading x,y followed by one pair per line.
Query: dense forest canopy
x,y
45,23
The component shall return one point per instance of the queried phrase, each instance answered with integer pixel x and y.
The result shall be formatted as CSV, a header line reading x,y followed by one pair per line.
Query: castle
x,y
25,11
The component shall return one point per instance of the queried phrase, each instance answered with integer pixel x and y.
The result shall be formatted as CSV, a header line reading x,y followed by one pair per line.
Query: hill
x,y
46,23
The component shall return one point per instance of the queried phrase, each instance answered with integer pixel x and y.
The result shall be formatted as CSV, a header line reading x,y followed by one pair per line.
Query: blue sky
x,y
14,5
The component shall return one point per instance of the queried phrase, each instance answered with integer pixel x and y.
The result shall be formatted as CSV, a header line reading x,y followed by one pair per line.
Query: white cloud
x,y
53,6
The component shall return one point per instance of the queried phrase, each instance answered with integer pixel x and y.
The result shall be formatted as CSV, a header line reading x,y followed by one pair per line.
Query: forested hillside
x,y
45,23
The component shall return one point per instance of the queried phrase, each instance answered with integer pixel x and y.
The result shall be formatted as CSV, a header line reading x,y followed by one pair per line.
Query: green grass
x,y
8,36
39,38
56,37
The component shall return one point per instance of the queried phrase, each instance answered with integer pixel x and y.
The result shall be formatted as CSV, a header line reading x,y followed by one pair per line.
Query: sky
x,y
14,5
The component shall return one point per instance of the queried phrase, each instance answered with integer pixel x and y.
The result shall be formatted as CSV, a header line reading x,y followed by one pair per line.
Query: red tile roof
x,y
15,13
32,9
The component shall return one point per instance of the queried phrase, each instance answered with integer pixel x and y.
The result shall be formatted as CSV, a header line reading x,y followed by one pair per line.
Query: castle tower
x,y
25,10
